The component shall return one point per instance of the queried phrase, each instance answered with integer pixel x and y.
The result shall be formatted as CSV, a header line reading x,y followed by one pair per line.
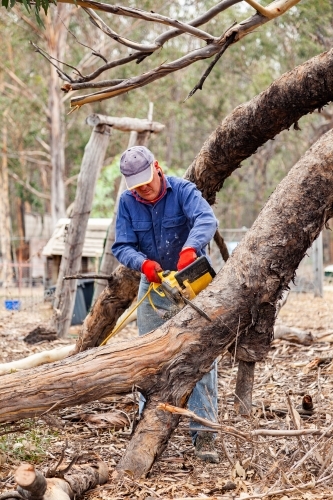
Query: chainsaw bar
x,y
196,308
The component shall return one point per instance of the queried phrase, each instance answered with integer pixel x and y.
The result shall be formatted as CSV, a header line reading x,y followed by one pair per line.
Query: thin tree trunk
x,y
241,301
7,270
57,29
244,386
71,260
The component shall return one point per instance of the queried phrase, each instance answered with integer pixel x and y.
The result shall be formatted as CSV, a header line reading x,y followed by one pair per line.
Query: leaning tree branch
x,y
260,120
215,45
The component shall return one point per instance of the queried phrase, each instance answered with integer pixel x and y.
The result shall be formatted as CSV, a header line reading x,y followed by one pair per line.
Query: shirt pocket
x,y
175,231
143,231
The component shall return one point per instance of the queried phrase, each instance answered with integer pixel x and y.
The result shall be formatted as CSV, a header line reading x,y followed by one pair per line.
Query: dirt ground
x,y
271,466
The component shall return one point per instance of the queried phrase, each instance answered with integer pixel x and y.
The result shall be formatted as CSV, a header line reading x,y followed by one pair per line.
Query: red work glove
x,y
186,257
150,268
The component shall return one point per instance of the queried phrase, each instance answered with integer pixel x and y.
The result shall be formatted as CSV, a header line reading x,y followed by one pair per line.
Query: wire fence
x,y
27,284
310,277
21,288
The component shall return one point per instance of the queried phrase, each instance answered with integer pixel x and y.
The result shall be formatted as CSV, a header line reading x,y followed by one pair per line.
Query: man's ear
x,y
158,168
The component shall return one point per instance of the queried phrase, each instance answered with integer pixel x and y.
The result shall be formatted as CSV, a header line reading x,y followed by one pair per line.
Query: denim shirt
x,y
181,218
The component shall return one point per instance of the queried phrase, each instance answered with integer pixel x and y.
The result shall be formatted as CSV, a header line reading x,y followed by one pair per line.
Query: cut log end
x,y
31,480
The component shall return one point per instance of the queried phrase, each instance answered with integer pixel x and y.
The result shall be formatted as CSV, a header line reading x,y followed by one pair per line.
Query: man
x,y
164,223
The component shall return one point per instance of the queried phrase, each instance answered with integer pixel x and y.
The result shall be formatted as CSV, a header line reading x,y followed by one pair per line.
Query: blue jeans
x,y
203,400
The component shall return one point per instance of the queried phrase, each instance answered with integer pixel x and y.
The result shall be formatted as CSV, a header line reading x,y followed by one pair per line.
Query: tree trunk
x,y
71,260
249,126
165,365
32,485
296,93
7,270
244,386
57,29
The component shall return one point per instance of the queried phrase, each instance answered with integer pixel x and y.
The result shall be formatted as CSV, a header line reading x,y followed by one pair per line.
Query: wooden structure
x,y
92,250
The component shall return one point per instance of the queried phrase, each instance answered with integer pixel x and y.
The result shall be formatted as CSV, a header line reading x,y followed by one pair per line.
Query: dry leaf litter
x,y
257,467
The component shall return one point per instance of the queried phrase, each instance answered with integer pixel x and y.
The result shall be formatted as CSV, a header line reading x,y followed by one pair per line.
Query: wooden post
x,y
137,138
318,272
71,260
109,262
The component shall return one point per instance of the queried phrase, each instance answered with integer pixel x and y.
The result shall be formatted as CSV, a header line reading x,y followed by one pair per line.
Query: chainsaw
x,y
180,287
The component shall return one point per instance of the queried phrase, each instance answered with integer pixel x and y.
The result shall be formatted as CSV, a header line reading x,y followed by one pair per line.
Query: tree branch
x,y
144,15
275,9
218,46
27,186
236,432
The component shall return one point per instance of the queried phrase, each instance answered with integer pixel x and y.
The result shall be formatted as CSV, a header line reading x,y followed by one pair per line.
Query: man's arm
x,y
201,216
125,248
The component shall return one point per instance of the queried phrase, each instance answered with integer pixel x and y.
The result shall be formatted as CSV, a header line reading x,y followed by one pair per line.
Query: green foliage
x,y
36,5
105,195
30,445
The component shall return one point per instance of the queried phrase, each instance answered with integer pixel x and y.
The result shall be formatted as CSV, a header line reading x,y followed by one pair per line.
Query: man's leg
x,y
148,318
203,402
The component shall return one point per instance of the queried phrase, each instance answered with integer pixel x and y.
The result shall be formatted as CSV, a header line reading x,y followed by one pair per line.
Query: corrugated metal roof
x,y
93,243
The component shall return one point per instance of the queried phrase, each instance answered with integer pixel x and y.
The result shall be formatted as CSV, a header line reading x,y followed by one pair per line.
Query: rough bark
x,y
120,292
71,260
296,93
241,302
244,386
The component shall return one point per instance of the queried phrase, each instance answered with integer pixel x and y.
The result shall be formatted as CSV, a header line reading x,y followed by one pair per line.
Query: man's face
x,y
150,191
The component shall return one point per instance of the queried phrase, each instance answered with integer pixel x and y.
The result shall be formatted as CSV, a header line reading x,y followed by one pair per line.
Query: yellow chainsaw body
x,y
186,283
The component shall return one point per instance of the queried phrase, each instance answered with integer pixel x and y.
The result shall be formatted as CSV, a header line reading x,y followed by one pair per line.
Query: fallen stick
x,y
236,432
56,354
37,359
282,331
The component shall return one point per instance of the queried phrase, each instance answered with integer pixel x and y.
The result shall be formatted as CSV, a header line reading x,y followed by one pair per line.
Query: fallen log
x,y
165,365
32,485
296,335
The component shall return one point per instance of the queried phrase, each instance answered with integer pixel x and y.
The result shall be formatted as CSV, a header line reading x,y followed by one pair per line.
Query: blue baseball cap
x,y
137,166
